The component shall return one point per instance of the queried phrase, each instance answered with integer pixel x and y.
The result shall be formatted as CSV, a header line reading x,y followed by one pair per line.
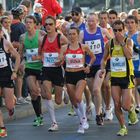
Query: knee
x,y
96,91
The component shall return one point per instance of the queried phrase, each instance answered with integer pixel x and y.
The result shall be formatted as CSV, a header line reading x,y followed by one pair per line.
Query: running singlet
x,y
31,49
96,44
5,63
120,65
51,52
74,58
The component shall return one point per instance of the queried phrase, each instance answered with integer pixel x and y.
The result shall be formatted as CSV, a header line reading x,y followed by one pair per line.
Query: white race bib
x,y
74,60
118,64
3,61
30,53
50,59
95,46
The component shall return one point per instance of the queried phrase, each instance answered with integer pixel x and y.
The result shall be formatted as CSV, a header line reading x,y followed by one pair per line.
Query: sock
x,y
78,113
82,110
3,127
37,106
50,106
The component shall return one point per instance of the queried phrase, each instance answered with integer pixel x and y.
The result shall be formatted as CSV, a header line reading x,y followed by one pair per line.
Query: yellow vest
x,y
120,65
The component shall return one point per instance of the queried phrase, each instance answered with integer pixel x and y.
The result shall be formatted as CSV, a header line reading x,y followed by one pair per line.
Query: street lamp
x,y
122,5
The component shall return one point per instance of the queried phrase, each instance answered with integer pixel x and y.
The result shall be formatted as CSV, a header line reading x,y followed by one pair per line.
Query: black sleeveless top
x,y
5,63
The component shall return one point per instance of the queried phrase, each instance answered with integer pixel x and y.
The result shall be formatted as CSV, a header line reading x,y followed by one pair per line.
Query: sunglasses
x,y
115,30
50,24
75,14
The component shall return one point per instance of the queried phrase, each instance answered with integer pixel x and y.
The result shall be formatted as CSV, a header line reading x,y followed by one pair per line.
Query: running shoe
x,y
137,109
81,129
3,133
54,127
99,119
108,115
85,124
72,112
122,132
132,117
38,121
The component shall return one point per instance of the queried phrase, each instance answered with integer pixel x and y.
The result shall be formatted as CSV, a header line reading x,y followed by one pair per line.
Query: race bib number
x,y
74,60
30,53
95,46
3,61
118,64
50,59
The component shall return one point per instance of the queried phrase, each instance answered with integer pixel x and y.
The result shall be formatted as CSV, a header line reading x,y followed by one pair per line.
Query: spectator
x,y
28,4
51,7
1,9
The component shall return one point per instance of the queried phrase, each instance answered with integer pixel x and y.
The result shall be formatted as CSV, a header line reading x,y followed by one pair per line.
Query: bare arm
x,y
128,48
63,40
21,48
10,49
105,56
90,53
81,37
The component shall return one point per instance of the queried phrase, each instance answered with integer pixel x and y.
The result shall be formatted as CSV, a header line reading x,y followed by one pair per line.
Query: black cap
x,y
77,10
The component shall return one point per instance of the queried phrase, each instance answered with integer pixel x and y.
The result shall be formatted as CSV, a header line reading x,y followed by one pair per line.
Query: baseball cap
x,y
77,10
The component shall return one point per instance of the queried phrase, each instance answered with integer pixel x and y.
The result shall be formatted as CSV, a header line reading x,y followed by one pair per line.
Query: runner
x,y
30,42
93,36
7,75
120,50
74,54
52,74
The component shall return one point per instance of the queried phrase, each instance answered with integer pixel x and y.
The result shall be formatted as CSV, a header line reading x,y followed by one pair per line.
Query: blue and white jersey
x,y
96,43
81,27
136,56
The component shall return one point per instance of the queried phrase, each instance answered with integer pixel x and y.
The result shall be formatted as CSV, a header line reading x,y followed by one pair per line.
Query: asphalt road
x,y
22,129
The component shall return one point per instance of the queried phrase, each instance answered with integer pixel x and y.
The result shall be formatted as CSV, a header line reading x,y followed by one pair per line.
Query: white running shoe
x,y
109,115
85,124
81,129
54,127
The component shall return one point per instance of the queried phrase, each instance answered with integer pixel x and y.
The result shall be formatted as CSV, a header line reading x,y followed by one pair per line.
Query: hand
x,y
15,44
34,58
58,63
120,37
101,73
14,76
87,69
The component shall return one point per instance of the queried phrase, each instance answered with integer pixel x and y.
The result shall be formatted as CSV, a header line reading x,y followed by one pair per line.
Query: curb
x,y
24,110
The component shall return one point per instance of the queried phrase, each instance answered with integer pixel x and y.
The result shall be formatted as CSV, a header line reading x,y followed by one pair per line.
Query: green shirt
x,y
31,49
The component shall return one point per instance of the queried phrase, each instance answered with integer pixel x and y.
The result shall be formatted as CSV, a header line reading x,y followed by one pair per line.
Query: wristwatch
x,y
89,65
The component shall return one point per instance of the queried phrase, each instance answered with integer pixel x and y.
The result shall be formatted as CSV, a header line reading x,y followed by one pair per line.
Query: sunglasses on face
x,y
75,14
115,30
50,24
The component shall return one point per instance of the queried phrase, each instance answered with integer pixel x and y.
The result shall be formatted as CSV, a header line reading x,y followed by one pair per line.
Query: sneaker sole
x,y
129,123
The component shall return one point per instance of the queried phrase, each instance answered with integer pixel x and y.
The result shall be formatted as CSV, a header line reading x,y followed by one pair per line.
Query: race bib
x,y
95,46
30,53
50,59
74,60
118,64
3,61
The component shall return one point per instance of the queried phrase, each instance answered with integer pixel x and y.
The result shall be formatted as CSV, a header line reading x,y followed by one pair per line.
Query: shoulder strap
x,y
43,42
111,46
58,40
